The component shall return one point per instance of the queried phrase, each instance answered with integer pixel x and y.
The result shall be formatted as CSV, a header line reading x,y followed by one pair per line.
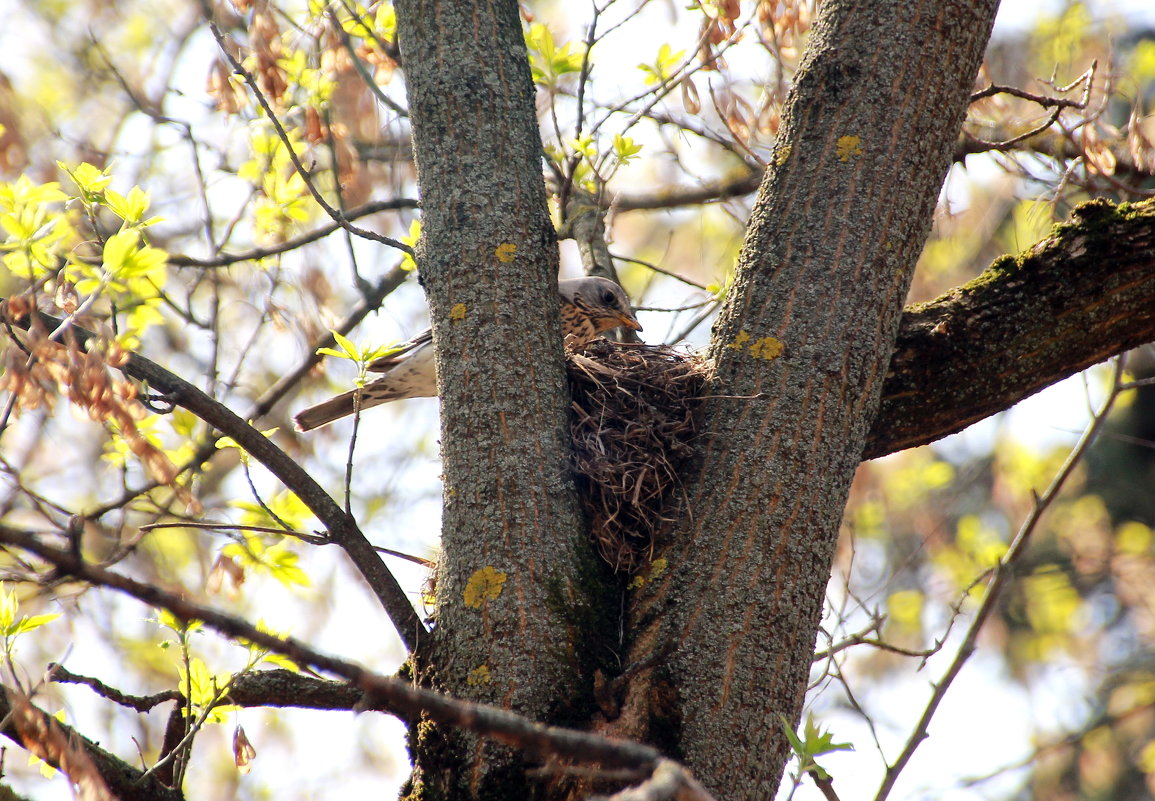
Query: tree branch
x,y
724,189
121,778
253,254
1082,295
141,703
396,696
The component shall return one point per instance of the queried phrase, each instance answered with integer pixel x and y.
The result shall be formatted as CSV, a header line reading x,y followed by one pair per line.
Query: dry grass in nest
x,y
634,418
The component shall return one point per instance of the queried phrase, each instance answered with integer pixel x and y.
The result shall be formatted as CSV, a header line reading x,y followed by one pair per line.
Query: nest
x,y
634,418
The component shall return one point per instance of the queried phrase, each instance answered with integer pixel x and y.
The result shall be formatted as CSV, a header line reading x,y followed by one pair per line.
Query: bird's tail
x,y
340,406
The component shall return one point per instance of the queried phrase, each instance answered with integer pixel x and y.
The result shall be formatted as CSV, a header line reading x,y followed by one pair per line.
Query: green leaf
x,y
229,442
282,662
10,624
584,145
170,621
346,345
118,250
8,607
385,21
330,352
407,263
361,355
547,61
814,743
30,623
202,687
625,149
130,208
663,67
276,560
88,179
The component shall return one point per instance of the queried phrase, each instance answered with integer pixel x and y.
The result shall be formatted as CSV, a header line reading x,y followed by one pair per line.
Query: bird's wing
x,y
383,364
413,376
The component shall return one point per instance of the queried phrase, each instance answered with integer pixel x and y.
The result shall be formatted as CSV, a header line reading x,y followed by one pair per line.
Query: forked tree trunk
x,y
807,333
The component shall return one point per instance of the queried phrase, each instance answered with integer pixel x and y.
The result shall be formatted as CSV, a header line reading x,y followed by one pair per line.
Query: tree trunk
x,y
516,572
801,349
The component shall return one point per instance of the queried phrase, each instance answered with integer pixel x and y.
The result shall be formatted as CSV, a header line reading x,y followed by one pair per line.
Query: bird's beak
x,y
628,321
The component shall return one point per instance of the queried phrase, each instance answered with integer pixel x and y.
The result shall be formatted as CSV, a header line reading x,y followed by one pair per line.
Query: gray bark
x,y
1080,296
511,579
834,236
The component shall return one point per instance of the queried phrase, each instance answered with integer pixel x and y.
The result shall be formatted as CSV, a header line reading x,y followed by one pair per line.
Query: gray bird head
x,y
602,299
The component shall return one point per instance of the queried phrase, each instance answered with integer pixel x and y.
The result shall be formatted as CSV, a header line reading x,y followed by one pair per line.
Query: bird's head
x,y
602,300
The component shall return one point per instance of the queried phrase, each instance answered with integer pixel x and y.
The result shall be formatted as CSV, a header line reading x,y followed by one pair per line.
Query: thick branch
x,y
284,688
1082,295
122,779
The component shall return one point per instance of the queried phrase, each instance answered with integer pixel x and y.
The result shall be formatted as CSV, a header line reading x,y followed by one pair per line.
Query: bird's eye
x,y
608,298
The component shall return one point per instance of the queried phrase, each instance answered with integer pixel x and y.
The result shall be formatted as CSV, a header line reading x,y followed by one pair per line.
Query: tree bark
x,y
1082,295
517,584
835,233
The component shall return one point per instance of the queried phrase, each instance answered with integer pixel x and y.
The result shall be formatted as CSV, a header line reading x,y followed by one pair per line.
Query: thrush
x,y
589,307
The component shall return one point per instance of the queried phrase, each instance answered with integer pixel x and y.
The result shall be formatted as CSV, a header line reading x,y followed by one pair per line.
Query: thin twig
x,y
313,539
141,703
258,253
333,213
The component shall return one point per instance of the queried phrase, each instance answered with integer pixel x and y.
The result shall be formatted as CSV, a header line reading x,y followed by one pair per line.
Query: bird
x,y
589,306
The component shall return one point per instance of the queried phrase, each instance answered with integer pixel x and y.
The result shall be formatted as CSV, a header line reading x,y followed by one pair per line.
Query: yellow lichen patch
x,y
457,313
740,340
657,568
781,156
763,348
483,586
505,252
478,676
767,348
848,147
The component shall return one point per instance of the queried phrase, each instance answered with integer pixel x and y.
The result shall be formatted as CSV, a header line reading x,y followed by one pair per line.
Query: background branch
x,y
341,527
122,779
